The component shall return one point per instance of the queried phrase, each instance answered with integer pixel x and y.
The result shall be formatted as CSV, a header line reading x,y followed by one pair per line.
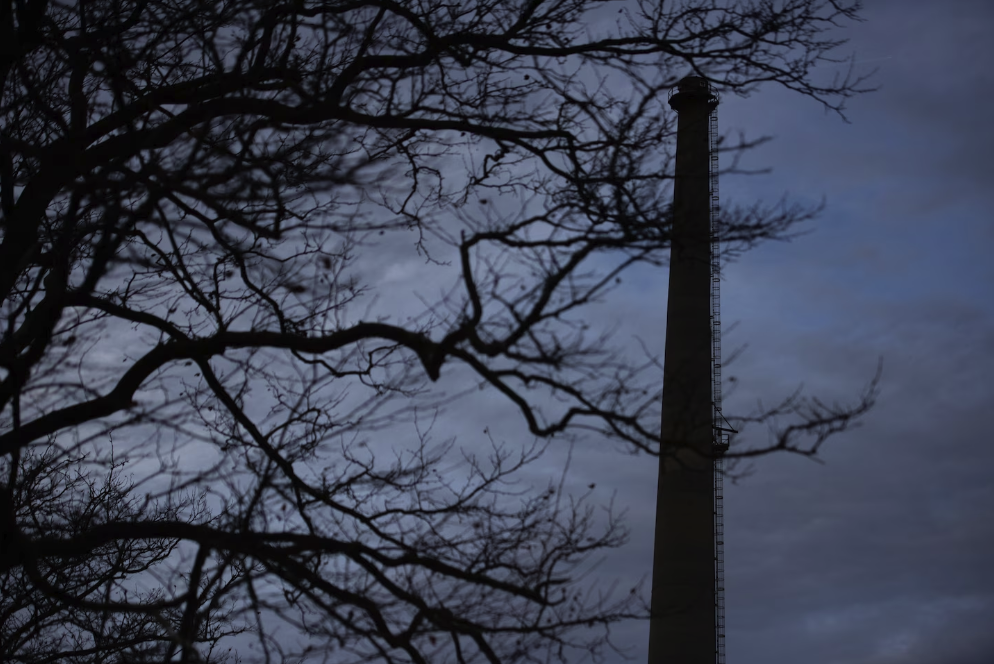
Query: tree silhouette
x,y
198,200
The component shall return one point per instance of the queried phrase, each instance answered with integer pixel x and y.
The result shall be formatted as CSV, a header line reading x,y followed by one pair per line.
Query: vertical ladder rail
x,y
720,440
719,565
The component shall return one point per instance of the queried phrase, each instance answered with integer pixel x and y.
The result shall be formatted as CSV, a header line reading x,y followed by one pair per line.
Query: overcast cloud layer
x,y
881,555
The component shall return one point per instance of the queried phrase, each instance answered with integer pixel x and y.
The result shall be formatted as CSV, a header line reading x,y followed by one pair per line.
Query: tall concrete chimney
x,y
685,626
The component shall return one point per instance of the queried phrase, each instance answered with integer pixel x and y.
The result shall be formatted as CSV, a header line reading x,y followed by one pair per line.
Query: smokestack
x,y
684,625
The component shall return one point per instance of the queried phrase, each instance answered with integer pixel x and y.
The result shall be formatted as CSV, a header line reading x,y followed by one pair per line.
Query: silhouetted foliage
x,y
197,201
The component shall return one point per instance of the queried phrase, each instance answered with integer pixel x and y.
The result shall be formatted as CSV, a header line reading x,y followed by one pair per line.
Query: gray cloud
x,y
881,555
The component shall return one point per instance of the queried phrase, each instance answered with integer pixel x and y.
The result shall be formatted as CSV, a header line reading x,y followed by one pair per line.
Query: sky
x,y
880,554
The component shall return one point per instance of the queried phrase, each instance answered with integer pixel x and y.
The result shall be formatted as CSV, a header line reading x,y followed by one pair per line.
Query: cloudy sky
x,y
876,556
882,554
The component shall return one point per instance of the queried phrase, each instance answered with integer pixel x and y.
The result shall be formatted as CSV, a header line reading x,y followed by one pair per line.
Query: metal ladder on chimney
x,y
720,439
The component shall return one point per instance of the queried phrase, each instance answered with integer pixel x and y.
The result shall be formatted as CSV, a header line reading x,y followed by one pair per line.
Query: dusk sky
x,y
883,554
880,555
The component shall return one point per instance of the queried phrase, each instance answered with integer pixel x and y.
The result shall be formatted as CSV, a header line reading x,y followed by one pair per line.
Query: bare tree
x,y
197,199
60,605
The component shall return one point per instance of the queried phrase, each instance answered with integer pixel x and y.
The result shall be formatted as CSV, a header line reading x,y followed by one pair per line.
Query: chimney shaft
x,y
682,626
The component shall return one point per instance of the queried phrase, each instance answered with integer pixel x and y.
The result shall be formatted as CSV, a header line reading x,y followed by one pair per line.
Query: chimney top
x,y
690,89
